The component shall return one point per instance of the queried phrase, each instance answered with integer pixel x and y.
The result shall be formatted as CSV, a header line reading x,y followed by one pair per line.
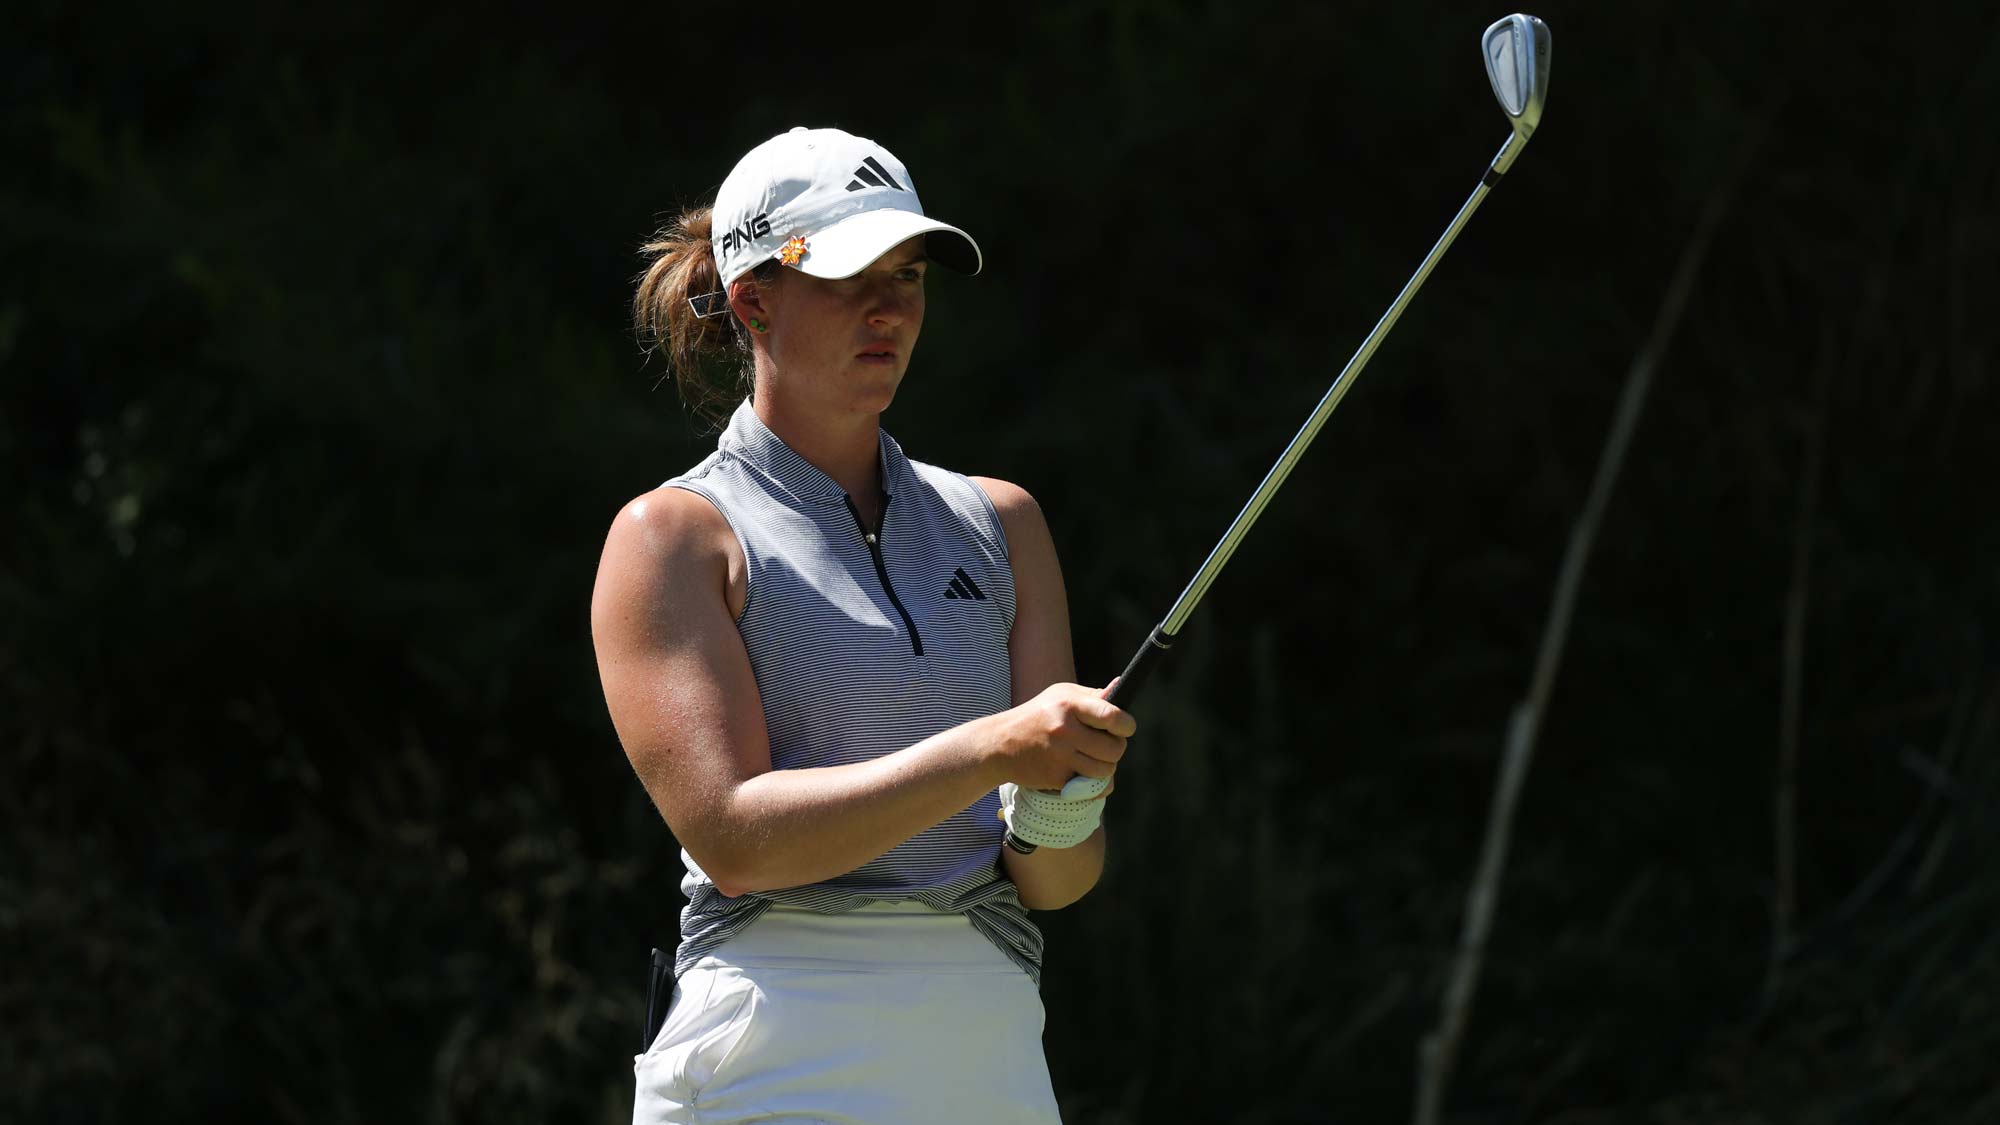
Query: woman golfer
x,y
831,666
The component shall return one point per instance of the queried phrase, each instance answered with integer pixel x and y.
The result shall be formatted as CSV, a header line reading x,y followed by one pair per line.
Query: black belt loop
x,y
659,997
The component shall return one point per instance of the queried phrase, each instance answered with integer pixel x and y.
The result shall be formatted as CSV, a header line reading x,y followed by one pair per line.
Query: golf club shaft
x,y
1126,690
1517,64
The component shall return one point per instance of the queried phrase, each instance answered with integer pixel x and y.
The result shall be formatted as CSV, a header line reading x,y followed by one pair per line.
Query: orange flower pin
x,y
793,250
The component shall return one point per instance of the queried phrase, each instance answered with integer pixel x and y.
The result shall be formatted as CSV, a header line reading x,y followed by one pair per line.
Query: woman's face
x,y
845,344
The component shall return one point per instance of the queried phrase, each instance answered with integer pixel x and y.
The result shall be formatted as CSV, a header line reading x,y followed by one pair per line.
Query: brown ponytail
x,y
698,349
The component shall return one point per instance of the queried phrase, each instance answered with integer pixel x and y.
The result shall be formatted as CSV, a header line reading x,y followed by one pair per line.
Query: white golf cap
x,y
826,203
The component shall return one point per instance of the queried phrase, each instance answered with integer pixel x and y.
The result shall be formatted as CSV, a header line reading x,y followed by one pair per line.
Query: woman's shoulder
x,y
984,502
678,511
1010,500
1003,496
668,529
668,544
671,510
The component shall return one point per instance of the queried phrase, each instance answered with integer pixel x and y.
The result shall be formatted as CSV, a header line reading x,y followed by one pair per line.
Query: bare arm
x,y
681,693
1050,878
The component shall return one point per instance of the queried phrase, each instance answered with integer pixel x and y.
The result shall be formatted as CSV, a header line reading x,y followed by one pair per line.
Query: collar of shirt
x,y
749,440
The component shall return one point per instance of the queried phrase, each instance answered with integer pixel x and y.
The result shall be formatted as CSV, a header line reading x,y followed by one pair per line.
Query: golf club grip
x,y
1125,692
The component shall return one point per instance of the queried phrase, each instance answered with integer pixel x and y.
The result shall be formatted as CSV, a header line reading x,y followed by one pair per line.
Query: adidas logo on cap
x,y
871,174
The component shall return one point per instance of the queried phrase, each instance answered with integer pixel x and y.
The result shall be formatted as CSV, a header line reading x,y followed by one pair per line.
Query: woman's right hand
x,y
1067,730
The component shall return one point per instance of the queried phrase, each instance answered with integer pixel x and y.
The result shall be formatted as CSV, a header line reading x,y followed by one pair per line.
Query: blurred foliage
x,y
317,394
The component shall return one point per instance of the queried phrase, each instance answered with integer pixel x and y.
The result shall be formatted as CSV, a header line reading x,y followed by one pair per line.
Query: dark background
x,y
318,393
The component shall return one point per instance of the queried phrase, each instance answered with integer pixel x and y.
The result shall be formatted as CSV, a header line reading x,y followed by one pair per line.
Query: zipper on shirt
x,y
882,569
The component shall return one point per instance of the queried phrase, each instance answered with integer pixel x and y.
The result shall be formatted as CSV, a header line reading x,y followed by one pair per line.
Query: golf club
x,y
1516,50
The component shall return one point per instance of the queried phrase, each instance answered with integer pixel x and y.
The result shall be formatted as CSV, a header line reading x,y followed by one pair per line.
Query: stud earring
x,y
758,325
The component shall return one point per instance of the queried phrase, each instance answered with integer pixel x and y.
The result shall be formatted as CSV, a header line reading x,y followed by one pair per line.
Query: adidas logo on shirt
x,y
962,586
871,174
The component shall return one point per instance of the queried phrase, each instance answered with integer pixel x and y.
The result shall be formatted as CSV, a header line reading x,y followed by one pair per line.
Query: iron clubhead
x,y
1517,62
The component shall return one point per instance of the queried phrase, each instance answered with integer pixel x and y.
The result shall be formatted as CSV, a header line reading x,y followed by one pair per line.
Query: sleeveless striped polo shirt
x,y
863,648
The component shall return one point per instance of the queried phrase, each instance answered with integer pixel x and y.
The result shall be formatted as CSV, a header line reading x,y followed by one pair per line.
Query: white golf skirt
x,y
887,1015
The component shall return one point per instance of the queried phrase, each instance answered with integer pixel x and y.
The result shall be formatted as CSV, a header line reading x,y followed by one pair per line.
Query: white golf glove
x,y
1053,820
